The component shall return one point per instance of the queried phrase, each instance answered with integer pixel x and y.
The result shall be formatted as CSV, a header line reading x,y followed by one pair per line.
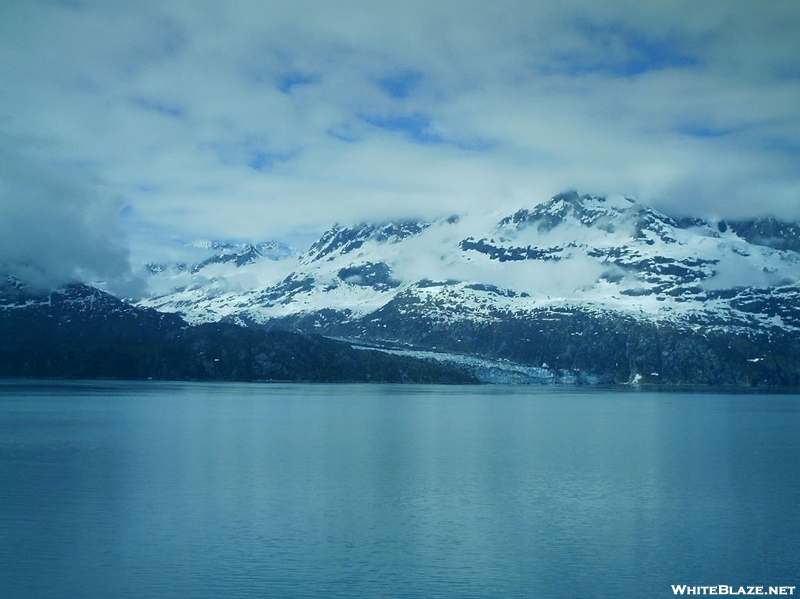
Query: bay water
x,y
150,489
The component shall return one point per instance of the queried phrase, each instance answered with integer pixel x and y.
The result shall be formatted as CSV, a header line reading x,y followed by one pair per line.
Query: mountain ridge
x,y
480,286
78,331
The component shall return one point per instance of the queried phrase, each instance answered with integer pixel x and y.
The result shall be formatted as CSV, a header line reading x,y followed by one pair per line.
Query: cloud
x,y
55,229
251,119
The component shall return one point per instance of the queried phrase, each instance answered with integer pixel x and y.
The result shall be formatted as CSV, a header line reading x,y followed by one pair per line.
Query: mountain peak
x,y
585,209
346,239
613,214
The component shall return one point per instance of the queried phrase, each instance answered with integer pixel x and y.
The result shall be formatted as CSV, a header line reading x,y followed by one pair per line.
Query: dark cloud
x,y
56,229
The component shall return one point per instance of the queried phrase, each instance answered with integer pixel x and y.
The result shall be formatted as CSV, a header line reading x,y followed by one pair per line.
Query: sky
x,y
128,125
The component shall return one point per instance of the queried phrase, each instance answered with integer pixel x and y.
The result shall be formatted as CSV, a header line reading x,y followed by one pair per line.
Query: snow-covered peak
x,y
574,215
220,267
341,240
249,253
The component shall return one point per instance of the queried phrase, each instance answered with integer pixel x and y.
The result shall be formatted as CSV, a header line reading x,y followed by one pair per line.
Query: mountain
x,y
578,288
82,332
220,264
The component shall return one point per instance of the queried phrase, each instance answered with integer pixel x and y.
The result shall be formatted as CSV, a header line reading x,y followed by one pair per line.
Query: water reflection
x,y
129,490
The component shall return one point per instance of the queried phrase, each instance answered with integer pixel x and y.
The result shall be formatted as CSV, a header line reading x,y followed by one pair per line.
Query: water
x,y
233,490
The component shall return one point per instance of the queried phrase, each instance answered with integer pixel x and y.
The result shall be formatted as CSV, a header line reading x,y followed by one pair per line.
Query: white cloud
x,y
258,119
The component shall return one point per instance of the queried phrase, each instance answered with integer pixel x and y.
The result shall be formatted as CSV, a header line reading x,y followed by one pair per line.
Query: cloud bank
x,y
56,230
275,119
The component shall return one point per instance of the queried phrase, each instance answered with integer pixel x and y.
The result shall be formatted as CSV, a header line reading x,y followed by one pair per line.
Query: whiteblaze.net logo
x,y
722,589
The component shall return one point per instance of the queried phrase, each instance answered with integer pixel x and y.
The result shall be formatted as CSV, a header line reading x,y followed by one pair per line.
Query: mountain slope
x,y
82,332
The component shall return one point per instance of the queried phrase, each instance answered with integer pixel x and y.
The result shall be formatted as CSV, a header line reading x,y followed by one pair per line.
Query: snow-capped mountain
x,y
218,273
575,283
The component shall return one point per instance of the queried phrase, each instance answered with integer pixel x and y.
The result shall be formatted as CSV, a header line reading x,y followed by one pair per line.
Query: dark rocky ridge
x,y
82,332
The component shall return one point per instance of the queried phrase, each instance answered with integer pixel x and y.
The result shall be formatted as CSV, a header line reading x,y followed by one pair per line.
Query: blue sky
x,y
265,119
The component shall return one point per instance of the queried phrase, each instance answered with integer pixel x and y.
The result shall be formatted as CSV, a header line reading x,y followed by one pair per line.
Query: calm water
x,y
190,490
